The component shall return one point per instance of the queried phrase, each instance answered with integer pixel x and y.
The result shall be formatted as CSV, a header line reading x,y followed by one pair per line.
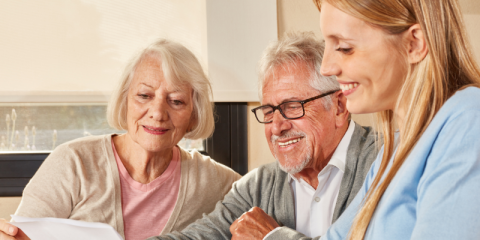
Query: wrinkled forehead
x,y
292,74
153,71
288,85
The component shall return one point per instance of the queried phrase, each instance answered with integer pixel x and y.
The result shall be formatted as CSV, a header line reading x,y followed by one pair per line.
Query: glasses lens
x,y
292,109
264,114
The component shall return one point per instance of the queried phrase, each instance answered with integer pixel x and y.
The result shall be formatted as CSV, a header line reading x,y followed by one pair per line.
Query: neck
x,y
310,173
143,166
310,176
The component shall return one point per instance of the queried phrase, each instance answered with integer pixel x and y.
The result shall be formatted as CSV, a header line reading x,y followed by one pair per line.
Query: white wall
x,y
238,31
75,51
78,48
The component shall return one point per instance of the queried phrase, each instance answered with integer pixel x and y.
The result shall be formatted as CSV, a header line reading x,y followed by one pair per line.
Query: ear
x,y
341,115
417,47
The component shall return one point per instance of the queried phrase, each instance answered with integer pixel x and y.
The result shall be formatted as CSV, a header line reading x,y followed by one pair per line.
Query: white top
x,y
314,208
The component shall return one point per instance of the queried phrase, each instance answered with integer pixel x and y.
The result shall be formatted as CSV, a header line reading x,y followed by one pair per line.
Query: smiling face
x,y
158,115
367,64
305,142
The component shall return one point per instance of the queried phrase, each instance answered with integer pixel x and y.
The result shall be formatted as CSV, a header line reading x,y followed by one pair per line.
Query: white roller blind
x,y
238,32
75,51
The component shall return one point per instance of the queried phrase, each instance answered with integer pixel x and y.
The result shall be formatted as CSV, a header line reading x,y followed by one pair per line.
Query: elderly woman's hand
x,y
10,232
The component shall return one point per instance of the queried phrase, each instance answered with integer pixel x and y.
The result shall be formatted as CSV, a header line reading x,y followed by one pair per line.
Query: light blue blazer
x,y
436,192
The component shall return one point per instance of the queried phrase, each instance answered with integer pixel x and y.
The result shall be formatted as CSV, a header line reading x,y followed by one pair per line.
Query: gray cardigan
x,y
267,187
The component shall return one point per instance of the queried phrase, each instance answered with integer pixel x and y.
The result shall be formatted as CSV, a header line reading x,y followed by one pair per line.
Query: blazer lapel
x,y
354,149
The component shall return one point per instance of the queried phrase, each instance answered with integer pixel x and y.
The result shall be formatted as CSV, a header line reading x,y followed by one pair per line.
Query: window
x,y
228,145
39,128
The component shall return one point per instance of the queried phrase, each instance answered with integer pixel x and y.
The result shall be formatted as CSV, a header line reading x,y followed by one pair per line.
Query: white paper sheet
x,y
62,229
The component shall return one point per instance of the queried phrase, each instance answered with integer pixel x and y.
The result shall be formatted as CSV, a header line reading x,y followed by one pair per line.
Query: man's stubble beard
x,y
292,166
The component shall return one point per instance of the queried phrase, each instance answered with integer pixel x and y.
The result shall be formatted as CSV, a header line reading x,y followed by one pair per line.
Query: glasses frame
x,y
301,102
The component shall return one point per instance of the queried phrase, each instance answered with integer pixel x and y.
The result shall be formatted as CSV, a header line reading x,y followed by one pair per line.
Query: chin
x,y
149,147
293,166
355,107
293,169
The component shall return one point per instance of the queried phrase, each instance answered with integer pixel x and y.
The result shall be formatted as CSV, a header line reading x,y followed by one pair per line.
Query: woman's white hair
x,y
180,67
289,52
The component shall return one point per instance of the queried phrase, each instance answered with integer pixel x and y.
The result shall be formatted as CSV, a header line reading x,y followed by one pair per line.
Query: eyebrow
x,y
338,36
176,91
290,99
170,91
146,85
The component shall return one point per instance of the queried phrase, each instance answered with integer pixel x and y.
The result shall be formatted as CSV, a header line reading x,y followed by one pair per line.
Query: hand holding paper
x,y
9,231
60,229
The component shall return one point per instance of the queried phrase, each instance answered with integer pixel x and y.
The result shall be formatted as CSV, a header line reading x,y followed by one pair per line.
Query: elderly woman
x,y
140,182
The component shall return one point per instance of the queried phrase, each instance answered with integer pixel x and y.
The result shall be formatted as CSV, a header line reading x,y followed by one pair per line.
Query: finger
x,y
247,231
8,228
256,209
233,226
261,219
21,235
4,236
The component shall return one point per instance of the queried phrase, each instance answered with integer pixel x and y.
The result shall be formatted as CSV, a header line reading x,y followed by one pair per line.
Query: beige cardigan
x,y
80,181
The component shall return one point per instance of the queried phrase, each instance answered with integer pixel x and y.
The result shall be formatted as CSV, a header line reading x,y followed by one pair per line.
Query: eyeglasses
x,y
289,110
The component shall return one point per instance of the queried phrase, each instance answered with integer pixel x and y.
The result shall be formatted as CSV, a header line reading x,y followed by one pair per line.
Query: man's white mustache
x,y
289,134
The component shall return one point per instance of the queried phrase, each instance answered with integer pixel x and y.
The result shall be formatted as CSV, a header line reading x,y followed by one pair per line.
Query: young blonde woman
x,y
410,61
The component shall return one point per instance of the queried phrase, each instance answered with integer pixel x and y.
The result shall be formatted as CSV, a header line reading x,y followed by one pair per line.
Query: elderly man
x,y
322,156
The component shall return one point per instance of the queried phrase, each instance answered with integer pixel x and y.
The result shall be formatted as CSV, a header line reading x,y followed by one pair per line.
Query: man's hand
x,y
10,232
254,224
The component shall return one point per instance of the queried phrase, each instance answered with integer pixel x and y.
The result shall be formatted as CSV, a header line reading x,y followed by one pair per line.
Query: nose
x,y
279,124
159,110
330,65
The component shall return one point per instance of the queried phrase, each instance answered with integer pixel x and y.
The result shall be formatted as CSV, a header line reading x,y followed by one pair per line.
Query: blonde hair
x,y
180,67
292,49
448,67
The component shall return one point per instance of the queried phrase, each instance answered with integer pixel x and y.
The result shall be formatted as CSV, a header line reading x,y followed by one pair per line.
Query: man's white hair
x,y
288,53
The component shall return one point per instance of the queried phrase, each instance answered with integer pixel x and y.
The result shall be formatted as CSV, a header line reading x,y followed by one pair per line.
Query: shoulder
x,y
456,118
206,166
456,123
73,159
86,144
266,175
364,135
267,170
362,151
365,141
466,98
80,151
463,101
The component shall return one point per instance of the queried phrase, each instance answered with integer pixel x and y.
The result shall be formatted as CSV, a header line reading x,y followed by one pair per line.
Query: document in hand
x,y
61,229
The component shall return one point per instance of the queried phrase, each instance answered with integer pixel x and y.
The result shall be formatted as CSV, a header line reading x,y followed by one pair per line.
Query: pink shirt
x,y
147,207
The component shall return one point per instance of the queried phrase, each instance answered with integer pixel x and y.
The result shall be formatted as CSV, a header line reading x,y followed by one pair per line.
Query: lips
x,y
287,140
290,142
155,130
348,87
